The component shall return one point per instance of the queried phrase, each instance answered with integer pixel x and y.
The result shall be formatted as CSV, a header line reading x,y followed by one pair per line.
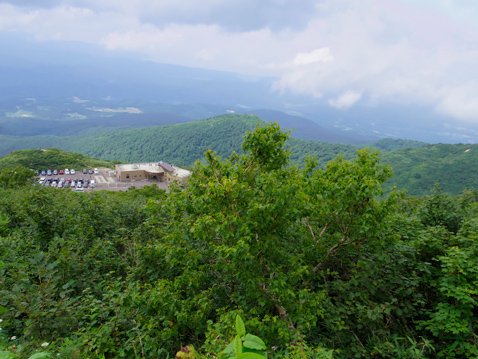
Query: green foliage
x,y
439,210
10,355
418,169
245,346
315,261
49,159
15,177
417,166
389,144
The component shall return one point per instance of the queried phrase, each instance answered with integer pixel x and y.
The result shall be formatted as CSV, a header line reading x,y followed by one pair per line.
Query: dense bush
x,y
313,261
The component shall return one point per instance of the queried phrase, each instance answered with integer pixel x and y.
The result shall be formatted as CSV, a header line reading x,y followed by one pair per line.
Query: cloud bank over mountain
x,y
347,52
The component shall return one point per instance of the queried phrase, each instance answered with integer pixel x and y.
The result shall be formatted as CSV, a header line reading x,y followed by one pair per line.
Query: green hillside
x,y
415,169
51,158
181,144
455,167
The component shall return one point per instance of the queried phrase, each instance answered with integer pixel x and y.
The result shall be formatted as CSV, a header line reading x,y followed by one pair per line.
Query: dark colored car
x,y
86,185
90,171
85,171
43,172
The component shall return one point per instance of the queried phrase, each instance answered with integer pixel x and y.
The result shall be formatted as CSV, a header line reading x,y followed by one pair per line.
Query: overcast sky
x,y
349,52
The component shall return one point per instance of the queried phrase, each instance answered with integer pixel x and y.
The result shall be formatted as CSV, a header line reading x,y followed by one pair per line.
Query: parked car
x,y
48,172
96,171
67,171
61,172
63,180
60,185
72,171
55,172
90,171
68,180
43,172
79,189
86,185
85,171
54,184
43,179
79,185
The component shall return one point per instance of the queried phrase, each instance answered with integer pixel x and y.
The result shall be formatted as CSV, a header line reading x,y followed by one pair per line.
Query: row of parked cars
x,y
67,183
67,172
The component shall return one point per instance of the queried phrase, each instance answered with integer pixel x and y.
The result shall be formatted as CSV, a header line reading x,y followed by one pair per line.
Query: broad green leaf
x,y
229,348
7,355
255,339
40,355
240,327
237,346
249,356
262,353
253,345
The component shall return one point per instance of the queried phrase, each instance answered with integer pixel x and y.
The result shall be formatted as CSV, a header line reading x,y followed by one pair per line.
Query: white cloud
x,y
346,99
461,102
318,55
401,51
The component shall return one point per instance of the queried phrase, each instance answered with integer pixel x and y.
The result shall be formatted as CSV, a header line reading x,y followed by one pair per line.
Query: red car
x,y
62,172
68,180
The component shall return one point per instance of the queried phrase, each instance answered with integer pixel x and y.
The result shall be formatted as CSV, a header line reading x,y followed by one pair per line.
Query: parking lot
x,y
106,182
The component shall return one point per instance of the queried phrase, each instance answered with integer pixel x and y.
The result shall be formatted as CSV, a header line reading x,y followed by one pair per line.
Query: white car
x,y
72,171
67,171
96,171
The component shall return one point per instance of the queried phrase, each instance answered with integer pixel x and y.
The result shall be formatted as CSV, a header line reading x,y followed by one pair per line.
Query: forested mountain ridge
x,y
415,169
455,167
311,258
51,158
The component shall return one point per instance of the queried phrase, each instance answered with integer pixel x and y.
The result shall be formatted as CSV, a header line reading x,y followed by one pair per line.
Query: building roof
x,y
166,166
181,172
154,167
151,167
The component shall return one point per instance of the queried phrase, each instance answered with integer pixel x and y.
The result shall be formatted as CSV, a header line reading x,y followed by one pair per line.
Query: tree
x,y
16,177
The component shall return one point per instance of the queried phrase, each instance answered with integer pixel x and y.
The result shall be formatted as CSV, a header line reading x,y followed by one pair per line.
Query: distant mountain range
x,y
52,73
417,166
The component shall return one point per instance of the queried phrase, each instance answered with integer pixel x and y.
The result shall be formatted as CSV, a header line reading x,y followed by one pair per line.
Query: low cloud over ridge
x,y
408,52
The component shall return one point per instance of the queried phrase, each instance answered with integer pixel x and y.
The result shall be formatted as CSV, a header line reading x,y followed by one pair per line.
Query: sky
x,y
346,52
